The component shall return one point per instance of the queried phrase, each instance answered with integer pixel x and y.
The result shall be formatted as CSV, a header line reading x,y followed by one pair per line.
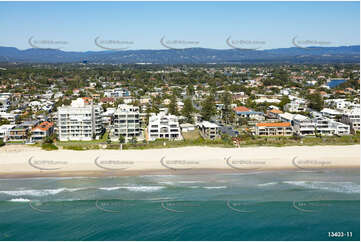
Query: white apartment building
x,y
352,118
126,122
330,113
4,101
162,126
303,125
5,131
11,117
79,121
117,92
329,127
338,103
295,106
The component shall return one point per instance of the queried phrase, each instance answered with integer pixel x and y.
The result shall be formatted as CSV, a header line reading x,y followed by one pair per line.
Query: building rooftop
x,y
276,111
44,126
285,124
241,109
208,124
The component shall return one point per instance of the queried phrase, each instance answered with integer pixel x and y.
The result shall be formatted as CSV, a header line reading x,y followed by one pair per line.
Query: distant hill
x,y
294,55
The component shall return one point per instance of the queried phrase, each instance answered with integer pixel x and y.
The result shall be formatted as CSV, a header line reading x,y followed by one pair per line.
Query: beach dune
x,y
24,161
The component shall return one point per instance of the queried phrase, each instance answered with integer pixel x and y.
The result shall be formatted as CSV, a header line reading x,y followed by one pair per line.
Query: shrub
x,y
73,147
47,146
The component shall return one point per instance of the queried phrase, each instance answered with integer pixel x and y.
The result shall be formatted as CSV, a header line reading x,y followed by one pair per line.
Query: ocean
x,y
257,205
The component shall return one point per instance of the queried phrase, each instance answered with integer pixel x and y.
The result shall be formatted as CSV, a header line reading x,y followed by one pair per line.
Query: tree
x,y
316,101
227,112
108,140
188,110
283,102
121,139
4,121
173,108
155,104
190,90
148,109
208,108
133,140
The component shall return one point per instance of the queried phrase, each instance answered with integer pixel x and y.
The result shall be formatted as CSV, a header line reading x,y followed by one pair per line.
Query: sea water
x,y
256,205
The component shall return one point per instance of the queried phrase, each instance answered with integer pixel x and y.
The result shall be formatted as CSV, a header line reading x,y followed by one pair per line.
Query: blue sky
x,y
141,25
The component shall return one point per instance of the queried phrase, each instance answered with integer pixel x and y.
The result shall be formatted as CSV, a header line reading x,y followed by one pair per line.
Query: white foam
x,y
190,182
220,187
267,184
144,188
19,200
342,187
109,188
134,188
167,183
40,193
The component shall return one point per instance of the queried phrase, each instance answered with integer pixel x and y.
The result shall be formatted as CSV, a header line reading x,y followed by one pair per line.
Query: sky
x,y
95,26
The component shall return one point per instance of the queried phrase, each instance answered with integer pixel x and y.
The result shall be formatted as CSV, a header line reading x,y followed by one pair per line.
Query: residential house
x,y
117,92
41,131
273,113
244,112
22,131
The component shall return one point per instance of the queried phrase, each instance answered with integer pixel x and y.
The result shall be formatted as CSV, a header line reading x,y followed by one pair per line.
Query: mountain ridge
x,y
291,55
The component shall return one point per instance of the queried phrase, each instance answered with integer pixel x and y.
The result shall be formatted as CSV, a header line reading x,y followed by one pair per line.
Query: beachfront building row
x,y
305,126
162,126
79,121
126,123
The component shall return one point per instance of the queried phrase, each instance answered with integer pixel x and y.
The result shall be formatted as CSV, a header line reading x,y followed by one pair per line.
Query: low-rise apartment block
x,y
274,129
209,130
162,126
352,118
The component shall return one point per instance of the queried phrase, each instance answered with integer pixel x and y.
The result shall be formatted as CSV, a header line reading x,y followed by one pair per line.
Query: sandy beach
x,y
25,161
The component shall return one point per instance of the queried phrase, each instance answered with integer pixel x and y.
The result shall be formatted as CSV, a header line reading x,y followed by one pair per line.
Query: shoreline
x,y
32,162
